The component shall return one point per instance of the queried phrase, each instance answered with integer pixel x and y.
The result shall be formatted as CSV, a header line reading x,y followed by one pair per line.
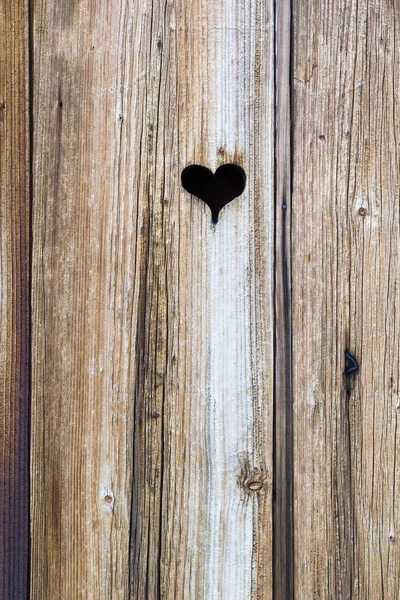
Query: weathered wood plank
x,y
152,329
345,218
283,402
14,300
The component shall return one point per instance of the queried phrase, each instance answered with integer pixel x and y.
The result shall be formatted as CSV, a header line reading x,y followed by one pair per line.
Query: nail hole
x,y
362,211
215,189
108,499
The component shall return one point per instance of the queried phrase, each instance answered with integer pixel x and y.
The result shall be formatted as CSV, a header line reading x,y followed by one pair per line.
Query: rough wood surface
x,y
152,330
346,294
283,402
14,300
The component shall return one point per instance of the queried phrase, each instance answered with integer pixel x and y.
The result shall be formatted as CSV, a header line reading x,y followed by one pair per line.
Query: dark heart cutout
x,y
215,189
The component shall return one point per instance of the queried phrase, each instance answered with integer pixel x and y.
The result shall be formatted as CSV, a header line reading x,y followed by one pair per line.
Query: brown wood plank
x,y
14,300
346,276
283,410
152,330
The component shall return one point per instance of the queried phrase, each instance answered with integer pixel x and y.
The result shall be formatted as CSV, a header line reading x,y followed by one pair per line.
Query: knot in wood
x,y
254,485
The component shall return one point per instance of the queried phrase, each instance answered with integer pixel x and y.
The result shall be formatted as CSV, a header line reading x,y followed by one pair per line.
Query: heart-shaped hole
x,y
215,189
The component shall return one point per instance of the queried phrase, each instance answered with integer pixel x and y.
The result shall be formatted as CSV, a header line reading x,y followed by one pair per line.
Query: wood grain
x,y
14,300
153,330
345,257
283,401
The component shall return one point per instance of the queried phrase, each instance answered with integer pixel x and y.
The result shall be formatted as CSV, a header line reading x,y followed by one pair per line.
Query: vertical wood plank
x,y
152,330
14,300
283,402
345,217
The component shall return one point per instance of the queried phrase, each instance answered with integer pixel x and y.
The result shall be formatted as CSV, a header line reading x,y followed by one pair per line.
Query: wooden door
x,y
196,430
